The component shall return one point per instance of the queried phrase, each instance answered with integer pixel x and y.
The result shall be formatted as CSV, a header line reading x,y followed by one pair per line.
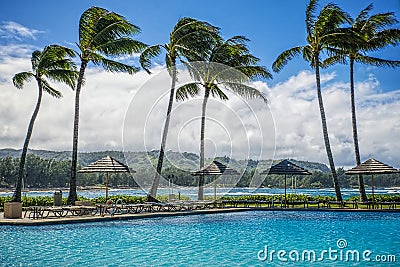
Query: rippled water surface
x,y
191,192
234,239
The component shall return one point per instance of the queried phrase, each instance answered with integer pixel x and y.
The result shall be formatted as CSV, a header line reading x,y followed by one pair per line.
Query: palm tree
x,y
366,34
228,66
102,34
322,31
189,38
53,63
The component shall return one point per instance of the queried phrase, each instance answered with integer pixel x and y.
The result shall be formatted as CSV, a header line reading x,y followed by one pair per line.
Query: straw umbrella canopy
x,y
372,166
215,168
107,165
286,167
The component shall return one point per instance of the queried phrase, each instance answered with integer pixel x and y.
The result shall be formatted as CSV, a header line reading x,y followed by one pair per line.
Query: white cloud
x,y
232,129
14,30
13,51
298,124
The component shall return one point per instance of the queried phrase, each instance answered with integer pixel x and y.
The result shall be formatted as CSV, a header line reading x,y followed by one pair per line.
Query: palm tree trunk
x,y
361,187
18,188
200,194
325,133
72,197
153,191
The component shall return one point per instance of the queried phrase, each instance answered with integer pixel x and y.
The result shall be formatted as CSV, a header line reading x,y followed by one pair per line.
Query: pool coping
x,y
117,217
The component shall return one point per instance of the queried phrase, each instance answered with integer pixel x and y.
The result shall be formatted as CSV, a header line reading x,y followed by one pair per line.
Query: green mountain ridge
x,y
52,169
186,160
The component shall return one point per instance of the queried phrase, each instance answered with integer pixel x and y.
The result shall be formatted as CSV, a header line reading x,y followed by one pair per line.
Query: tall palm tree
x,y
54,64
102,34
367,33
189,38
228,66
322,31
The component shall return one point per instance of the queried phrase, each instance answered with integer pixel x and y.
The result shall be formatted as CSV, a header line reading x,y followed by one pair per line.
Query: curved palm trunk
x,y
326,136
153,191
361,188
72,197
200,194
18,189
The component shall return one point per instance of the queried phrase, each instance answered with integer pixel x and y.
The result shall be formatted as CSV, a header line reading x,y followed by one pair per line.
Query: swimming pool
x,y
228,239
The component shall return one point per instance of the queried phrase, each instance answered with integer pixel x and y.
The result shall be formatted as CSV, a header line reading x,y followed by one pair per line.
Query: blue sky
x,y
272,27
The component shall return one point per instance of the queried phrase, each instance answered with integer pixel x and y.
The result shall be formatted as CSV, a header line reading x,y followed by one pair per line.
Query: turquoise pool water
x,y
230,239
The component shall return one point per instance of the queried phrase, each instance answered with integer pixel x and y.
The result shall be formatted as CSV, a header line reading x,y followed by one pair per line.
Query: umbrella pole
x,y
285,191
373,195
106,186
215,187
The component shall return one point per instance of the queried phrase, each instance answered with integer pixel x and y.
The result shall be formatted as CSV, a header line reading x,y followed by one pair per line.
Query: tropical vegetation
x,y
189,39
54,64
228,65
48,200
102,35
52,170
367,33
323,32
218,66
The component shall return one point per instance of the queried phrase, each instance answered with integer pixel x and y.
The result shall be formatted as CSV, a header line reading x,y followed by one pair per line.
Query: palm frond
x,y
330,19
121,46
383,38
55,57
187,28
197,69
50,90
107,33
238,39
246,91
378,62
21,78
188,90
310,16
216,91
61,51
332,60
194,36
35,59
255,72
285,57
87,23
345,38
147,54
362,17
114,66
380,21
111,27
69,77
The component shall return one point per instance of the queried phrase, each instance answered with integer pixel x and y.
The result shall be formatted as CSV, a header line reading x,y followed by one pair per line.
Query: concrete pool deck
x,y
116,217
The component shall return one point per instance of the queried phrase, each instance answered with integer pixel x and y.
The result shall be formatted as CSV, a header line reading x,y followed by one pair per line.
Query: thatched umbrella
x,y
106,164
372,166
286,167
215,168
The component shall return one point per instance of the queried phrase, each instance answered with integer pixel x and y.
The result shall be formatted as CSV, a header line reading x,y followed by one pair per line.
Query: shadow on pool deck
x,y
90,218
